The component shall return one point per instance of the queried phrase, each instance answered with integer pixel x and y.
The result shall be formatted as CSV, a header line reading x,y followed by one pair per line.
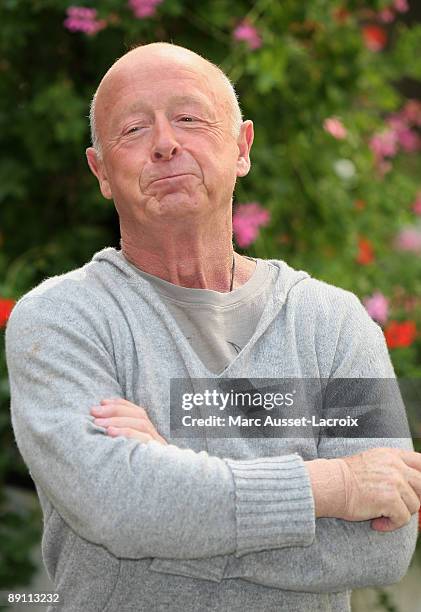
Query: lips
x,y
163,178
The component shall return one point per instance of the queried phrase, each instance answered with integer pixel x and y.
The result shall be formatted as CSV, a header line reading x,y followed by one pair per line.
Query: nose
x,y
164,143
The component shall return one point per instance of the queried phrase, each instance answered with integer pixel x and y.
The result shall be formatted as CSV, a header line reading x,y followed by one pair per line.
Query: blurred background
x,y
333,89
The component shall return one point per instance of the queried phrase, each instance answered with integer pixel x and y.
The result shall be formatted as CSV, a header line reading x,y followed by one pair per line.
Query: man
x,y
132,519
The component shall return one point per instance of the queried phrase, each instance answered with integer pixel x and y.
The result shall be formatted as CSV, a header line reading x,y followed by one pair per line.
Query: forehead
x,y
160,81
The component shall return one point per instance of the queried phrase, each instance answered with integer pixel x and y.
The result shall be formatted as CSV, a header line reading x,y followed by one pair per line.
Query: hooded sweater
x,y
204,522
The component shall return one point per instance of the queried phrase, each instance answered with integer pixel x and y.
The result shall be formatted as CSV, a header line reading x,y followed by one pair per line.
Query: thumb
x,y
382,523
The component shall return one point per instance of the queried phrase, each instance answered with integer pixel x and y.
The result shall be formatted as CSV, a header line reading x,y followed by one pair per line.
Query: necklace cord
x,y
232,271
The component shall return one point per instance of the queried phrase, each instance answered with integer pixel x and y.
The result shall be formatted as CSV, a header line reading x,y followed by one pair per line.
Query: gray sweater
x,y
203,523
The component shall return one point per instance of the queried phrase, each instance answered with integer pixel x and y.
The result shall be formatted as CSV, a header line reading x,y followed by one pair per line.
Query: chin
x,y
177,205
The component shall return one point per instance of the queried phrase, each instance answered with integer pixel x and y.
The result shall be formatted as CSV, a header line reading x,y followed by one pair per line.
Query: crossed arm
x,y
170,492
313,568
59,367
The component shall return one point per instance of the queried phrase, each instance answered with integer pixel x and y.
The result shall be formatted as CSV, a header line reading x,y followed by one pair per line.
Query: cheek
x,y
218,153
225,164
126,168
220,176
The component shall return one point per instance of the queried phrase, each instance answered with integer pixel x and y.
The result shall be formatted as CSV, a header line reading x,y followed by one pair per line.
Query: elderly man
x,y
134,518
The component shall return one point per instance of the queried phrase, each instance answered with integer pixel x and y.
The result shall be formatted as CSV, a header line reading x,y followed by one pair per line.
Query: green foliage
x,y
312,64
18,531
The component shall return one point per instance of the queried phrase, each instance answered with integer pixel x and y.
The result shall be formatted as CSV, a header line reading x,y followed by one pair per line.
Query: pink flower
x,y
144,8
383,166
82,19
416,207
387,15
408,140
412,112
384,144
409,239
401,6
245,31
397,122
335,128
377,306
247,219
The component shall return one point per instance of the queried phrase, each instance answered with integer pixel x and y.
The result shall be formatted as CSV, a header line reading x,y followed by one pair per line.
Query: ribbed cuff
x,y
274,503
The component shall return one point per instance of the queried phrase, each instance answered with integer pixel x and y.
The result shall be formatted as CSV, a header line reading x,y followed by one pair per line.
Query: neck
x,y
205,264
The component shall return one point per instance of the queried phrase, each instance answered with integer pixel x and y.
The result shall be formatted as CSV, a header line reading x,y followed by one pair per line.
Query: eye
x,y
188,117
134,129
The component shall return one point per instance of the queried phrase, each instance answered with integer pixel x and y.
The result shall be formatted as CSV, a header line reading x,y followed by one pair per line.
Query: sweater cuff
x,y
274,503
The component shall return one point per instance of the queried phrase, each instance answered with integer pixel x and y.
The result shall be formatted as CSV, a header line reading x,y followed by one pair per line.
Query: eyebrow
x,y
173,101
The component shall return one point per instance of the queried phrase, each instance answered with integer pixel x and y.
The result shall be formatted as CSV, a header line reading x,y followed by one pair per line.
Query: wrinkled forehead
x,y
157,73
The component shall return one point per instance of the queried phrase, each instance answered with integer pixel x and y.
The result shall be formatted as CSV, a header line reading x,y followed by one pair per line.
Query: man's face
x,y
161,118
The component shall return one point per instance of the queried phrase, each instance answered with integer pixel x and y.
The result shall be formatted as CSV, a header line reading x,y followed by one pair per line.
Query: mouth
x,y
167,178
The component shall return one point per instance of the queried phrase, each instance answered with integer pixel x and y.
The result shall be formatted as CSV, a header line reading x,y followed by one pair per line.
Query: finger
x,y
386,524
134,423
123,405
382,523
414,479
411,458
400,509
117,400
411,499
398,515
116,409
127,432
160,439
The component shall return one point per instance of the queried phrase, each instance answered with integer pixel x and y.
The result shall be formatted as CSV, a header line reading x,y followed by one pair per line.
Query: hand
x,y
123,418
383,484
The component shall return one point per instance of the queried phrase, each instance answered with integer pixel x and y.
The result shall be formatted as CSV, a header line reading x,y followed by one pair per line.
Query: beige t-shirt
x,y
217,325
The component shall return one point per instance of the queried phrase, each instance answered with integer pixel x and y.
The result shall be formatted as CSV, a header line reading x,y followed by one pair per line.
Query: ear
x,y
245,140
97,168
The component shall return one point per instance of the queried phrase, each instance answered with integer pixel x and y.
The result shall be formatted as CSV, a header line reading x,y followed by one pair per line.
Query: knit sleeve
x,y
344,554
137,500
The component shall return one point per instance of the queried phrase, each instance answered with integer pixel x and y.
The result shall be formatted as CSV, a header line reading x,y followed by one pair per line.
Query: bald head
x,y
161,52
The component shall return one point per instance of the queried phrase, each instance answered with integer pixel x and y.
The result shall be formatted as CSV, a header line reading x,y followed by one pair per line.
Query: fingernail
x,y
97,409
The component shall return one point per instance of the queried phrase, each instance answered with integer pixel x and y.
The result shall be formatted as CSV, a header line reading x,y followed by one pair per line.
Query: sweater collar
x,y
285,280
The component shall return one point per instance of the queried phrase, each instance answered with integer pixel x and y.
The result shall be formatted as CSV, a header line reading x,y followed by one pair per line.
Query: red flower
x,y
359,204
400,334
365,252
374,37
6,306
